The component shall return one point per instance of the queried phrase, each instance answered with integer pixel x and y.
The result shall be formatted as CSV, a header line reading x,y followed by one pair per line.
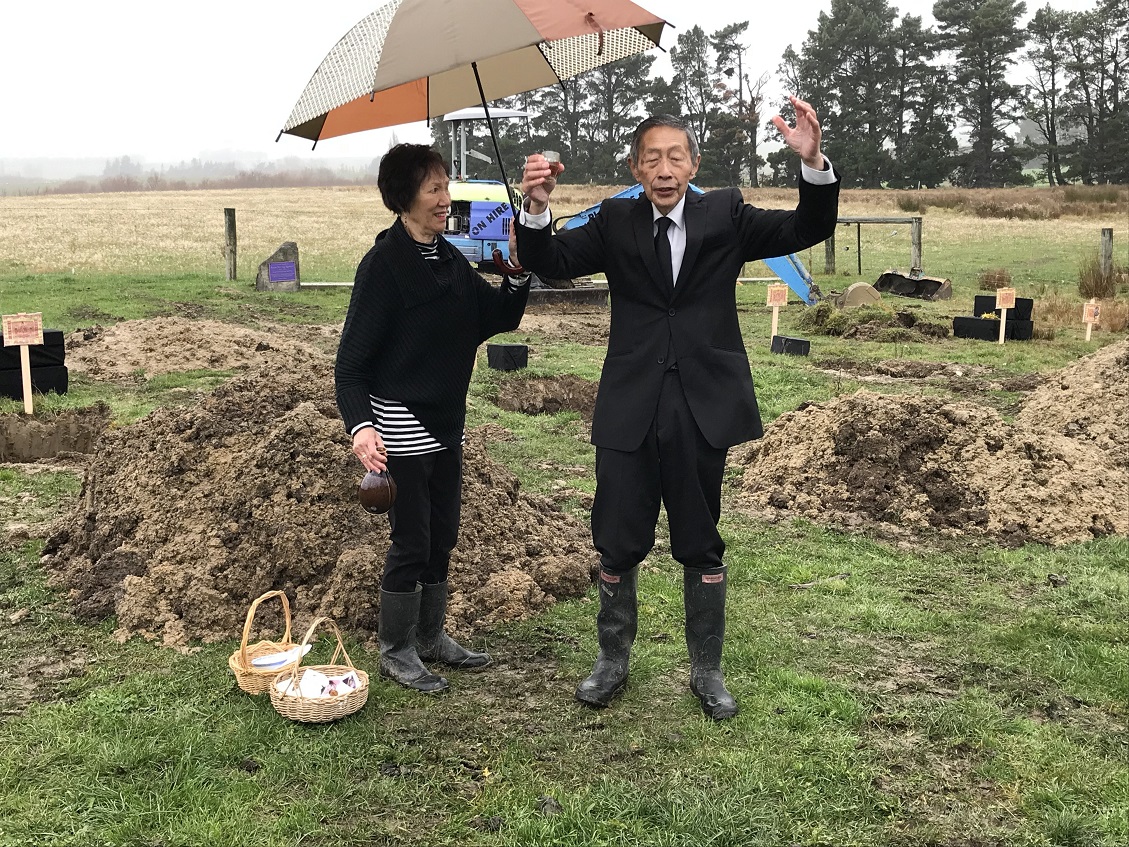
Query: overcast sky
x,y
168,82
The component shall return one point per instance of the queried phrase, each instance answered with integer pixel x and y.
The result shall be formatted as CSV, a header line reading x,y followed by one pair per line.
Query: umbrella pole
x,y
493,138
504,266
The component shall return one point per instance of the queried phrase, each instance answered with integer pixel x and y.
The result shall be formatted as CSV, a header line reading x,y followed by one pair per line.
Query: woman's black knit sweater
x,y
412,330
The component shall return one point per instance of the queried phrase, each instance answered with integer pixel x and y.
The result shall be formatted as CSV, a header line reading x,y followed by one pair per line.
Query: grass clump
x,y
1093,281
912,203
1018,211
1091,194
996,278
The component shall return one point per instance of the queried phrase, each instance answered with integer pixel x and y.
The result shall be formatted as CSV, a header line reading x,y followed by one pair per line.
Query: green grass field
x,y
942,694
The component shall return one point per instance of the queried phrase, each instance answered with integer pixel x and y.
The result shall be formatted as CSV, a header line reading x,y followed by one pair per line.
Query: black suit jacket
x,y
696,322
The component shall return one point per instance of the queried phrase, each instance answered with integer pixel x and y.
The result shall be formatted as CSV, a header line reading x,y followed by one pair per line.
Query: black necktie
x,y
662,250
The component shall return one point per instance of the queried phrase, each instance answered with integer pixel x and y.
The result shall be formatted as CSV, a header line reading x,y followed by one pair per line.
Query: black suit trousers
x,y
676,466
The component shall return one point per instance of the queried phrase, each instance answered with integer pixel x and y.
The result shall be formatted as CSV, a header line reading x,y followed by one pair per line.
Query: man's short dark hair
x,y
402,172
663,120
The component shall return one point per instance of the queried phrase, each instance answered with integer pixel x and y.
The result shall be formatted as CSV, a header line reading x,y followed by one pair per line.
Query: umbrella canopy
x,y
411,60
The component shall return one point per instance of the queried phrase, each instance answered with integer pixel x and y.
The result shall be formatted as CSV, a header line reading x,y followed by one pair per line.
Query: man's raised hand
x,y
538,179
804,138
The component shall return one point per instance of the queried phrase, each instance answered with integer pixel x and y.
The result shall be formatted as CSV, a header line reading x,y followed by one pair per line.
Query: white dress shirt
x,y
676,233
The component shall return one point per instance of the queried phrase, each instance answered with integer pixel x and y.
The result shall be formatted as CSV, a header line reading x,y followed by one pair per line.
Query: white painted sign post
x,y
23,330
1005,299
1091,314
777,297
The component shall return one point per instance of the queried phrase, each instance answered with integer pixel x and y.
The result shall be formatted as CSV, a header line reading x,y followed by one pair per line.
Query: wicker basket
x,y
319,709
251,679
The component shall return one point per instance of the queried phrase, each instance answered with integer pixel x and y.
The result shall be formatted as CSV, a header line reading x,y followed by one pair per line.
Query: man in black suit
x,y
676,391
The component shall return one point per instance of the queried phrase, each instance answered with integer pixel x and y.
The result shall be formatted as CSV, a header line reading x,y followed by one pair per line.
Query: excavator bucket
x,y
914,285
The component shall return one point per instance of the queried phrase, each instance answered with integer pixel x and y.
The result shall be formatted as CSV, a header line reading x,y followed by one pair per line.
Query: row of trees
x,y
896,94
901,104
590,118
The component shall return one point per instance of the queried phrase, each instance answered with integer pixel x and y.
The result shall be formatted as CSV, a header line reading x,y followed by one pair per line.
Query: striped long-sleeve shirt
x,y
402,432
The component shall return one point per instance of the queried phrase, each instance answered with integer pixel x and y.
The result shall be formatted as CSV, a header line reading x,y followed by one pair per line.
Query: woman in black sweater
x,y
415,321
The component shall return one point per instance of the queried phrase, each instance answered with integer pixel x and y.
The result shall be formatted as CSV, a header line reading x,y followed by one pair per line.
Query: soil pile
x,y
870,323
920,463
188,515
1087,400
166,345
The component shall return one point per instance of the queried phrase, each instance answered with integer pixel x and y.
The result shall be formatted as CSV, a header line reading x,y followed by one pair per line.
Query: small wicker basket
x,y
319,709
252,679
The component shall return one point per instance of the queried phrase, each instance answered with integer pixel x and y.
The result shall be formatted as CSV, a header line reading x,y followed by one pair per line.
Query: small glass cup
x,y
551,156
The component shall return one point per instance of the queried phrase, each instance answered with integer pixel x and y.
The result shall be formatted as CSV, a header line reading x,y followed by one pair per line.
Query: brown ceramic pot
x,y
377,492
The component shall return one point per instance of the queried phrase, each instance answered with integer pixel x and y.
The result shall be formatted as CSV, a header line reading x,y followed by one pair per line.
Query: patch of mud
x,y
188,515
1088,401
937,786
27,439
548,395
1022,383
855,367
589,327
959,378
908,369
37,674
147,348
916,463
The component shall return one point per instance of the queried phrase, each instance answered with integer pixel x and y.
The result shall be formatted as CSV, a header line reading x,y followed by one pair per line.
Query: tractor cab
x,y
481,215
480,221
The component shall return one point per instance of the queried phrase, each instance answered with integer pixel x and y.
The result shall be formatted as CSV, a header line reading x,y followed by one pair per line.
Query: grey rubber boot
x,y
433,644
704,593
399,617
616,625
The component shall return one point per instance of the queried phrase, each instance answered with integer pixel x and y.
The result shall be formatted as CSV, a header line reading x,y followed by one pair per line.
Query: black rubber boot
x,y
616,625
399,617
704,593
433,644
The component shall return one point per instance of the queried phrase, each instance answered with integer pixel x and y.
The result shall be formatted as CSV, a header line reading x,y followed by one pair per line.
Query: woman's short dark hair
x,y
402,172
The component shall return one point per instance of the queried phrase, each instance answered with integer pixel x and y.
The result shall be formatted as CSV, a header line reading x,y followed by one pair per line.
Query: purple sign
x,y
282,271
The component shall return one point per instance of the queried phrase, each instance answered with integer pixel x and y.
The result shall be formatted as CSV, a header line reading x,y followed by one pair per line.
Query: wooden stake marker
x,y
777,297
24,330
1091,314
1005,299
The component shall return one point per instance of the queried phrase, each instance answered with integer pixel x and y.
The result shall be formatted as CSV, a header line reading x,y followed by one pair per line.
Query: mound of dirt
x,y
167,345
188,515
548,395
920,463
1087,400
870,323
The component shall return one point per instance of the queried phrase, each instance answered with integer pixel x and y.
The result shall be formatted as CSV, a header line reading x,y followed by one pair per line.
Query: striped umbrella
x,y
411,60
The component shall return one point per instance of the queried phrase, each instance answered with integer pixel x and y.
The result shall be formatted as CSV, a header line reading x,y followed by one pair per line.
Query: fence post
x,y
829,255
915,244
1107,253
229,247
